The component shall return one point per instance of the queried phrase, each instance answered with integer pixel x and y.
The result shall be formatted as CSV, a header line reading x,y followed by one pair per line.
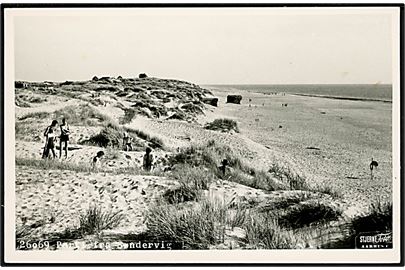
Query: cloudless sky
x,y
206,46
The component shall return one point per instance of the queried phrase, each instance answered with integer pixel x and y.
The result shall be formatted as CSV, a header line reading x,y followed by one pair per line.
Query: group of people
x,y
147,163
51,135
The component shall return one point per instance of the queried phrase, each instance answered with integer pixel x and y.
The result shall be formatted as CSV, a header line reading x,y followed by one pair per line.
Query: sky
x,y
206,46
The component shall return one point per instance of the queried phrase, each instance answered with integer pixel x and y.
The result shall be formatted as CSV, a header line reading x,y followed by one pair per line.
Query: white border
x,y
209,256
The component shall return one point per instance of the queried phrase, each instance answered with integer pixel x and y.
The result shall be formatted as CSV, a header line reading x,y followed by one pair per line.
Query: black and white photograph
x,y
197,134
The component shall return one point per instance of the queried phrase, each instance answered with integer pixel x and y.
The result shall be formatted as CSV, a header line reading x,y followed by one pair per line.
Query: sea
x,y
377,92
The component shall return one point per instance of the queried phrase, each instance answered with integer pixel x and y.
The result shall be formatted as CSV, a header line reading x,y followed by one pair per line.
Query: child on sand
x,y
50,134
95,163
64,137
148,160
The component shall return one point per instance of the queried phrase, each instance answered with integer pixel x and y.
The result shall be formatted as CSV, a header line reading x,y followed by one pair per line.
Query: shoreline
x,y
344,97
340,97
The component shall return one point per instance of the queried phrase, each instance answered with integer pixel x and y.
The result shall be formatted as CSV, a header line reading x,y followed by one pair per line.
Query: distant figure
x,y
127,142
95,163
148,160
224,163
64,137
50,134
373,164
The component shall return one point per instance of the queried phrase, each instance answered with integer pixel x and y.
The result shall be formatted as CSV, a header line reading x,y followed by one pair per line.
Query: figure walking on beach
x,y
373,164
64,137
50,134
148,160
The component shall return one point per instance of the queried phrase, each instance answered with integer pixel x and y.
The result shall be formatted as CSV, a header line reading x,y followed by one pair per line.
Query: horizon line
x,y
215,84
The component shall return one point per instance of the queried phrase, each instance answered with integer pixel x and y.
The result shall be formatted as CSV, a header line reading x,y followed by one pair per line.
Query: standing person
x,y
127,142
148,160
224,163
64,137
50,134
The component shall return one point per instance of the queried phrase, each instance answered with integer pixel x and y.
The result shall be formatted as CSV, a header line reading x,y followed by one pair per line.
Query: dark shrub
x,y
224,125
306,214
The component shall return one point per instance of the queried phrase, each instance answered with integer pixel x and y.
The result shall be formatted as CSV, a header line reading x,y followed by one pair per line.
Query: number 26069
x,y
31,244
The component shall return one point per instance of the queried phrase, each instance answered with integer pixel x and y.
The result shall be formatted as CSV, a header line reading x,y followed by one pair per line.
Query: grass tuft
x,y
196,228
112,134
263,232
192,181
50,164
95,220
223,125
295,181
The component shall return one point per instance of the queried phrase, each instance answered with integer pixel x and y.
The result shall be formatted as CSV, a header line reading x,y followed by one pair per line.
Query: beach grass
x,y
223,124
55,164
377,219
308,214
129,115
95,220
81,115
196,228
112,134
35,116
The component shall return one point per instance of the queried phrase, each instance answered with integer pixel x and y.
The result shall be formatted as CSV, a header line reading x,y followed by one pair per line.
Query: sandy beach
x,y
347,133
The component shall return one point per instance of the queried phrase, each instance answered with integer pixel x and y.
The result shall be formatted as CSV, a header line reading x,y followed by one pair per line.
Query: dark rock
x,y
142,76
236,99
66,83
95,78
105,79
20,85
